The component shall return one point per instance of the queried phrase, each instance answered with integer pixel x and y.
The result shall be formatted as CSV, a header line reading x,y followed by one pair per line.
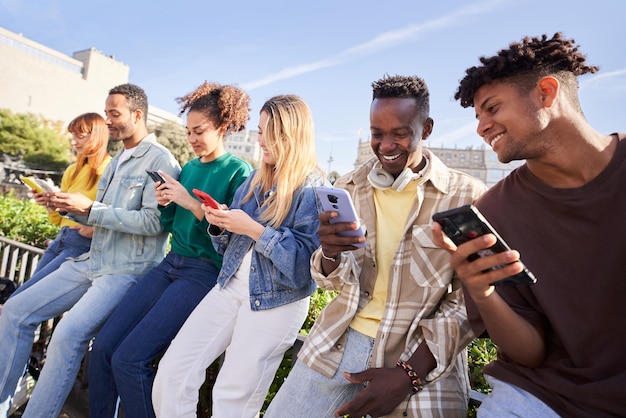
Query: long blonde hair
x,y
289,137
94,151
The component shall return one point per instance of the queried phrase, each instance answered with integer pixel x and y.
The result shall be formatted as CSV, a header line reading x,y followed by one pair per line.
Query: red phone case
x,y
206,199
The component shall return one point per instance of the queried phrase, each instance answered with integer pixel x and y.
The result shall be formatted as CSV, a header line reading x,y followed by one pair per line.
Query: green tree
x,y
173,136
40,141
169,134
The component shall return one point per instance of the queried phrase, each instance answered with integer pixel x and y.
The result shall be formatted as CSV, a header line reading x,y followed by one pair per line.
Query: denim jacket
x,y
128,237
280,267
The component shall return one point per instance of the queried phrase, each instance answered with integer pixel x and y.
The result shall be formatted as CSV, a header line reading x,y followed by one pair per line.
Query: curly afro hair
x,y
524,63
226,106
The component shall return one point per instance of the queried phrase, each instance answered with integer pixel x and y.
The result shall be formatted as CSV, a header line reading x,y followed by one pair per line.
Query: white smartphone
x,y
339,200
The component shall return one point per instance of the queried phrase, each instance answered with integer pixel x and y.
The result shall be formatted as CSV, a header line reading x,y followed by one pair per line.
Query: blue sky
x,y
330,51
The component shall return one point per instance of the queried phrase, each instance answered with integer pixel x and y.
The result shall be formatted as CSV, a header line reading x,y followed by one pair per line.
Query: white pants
x,y
255,342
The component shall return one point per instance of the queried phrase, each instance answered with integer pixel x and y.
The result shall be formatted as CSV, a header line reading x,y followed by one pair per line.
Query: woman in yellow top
x,y
89,139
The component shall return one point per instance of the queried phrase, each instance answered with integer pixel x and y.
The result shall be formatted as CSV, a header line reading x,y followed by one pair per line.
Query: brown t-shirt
x,y
574,241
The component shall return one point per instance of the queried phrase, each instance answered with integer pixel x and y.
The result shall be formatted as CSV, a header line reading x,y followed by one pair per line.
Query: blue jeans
x,y
87,301
507,400
307,393
68,243
140,328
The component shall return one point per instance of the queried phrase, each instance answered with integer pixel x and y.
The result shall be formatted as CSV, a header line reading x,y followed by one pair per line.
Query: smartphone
x,y
466,223
31,183
339,200
37,185
206,199
156,176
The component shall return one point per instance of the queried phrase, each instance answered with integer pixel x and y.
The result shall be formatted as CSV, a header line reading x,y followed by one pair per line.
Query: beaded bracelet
x,y
417,383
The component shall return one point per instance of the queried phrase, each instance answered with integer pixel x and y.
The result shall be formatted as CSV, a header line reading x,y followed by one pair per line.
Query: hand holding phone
x,y
206,199
339,200
156,176
466,223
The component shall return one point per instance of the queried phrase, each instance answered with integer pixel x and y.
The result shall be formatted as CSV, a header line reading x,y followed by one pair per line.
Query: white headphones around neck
x,y
381,179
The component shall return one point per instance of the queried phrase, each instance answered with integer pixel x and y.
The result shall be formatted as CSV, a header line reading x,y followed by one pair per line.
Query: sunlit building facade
x,y
40,80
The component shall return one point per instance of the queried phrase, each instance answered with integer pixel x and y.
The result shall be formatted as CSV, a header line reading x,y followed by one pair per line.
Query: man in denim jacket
x,y
128,240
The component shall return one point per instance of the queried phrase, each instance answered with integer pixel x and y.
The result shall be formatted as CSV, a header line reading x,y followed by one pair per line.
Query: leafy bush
x,y
319,300
480,352
25,221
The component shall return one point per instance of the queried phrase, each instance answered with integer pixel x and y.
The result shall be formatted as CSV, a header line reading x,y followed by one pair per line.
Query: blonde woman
x,y
90,137
261,300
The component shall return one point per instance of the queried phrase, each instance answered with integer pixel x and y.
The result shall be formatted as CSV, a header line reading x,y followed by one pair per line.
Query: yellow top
x,y
79,184
392,211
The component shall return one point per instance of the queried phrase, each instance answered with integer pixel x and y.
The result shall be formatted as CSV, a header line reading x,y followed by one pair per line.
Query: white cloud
x,y
601,77
380,42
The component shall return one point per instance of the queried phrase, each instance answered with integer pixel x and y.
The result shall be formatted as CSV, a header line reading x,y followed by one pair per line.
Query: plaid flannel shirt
x,y
424,301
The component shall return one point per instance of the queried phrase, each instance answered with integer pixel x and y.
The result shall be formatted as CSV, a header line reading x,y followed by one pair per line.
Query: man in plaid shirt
x,y
392,341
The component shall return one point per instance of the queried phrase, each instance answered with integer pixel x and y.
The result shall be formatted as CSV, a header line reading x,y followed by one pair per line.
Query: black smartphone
x,y
155,176
466,223
339,200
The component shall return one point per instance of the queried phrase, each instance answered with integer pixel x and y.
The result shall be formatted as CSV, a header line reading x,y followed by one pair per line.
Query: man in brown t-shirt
x,y
561,341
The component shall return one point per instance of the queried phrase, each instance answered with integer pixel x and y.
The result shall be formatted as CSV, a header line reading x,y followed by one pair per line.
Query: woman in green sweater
x,y
150,315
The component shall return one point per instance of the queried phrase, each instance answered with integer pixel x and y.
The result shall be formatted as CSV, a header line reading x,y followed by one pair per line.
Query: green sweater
x,y
219,178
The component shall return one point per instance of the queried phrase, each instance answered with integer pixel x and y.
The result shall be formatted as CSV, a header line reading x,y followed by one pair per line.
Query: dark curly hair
x,y
136,97
404,87
226,106
524,63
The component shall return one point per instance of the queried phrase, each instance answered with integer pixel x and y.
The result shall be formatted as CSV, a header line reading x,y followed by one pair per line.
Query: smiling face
x,y
511,122
206,141
121,121
397,132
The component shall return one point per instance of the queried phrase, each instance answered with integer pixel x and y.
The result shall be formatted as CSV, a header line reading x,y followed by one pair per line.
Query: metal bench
x,y
18,262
